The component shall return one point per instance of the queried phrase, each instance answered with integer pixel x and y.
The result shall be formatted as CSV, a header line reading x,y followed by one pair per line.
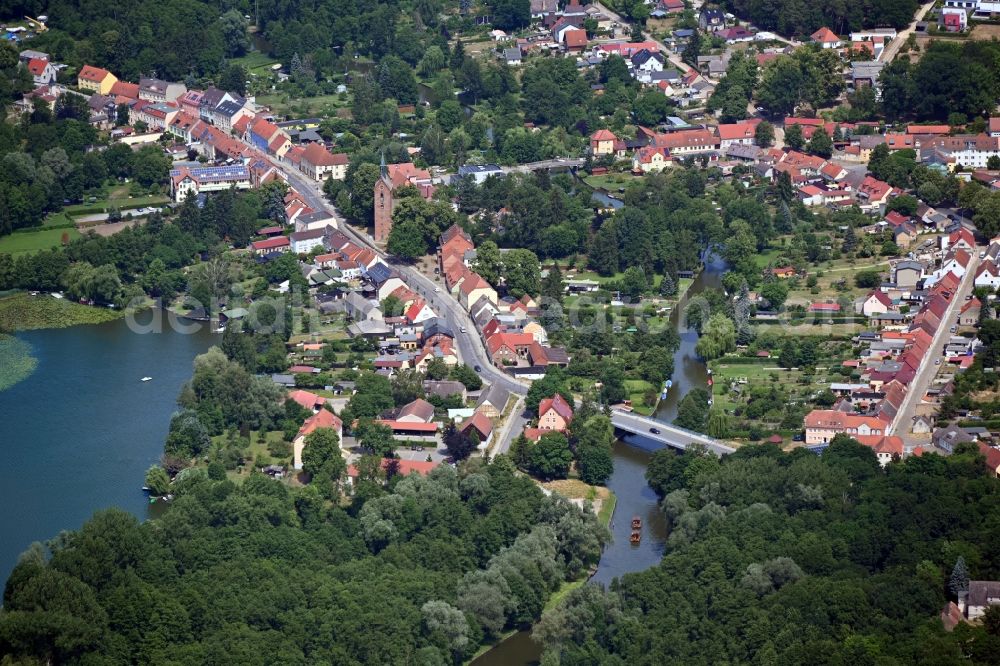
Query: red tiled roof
x,y
37,66
417,426
557,403
480,422
321,419
825,36
406,467
603,135
93,74
125,89
575,38
317,155
270,243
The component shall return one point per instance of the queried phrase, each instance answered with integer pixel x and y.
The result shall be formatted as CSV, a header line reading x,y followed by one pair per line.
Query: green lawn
x,y
282,104
255,60
610,181
637,389
32,241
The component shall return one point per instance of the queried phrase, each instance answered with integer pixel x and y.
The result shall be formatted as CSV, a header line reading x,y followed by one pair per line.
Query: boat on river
x,y
636,523
146,379
636,538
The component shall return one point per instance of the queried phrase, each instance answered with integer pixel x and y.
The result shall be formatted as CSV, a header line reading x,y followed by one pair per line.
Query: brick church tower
x,y
383,205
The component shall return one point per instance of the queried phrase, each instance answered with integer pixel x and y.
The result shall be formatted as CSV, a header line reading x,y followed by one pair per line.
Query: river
x,y
628,483
79,433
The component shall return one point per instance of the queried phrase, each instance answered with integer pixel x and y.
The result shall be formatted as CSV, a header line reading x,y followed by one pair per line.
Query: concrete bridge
x,y
560,163
664,433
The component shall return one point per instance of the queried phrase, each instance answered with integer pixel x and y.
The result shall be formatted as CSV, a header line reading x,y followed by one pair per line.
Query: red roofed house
x,y
554,413
873,193
418,311
886,448
575,39
95,79
509,348
269,245
876,303
928,129
473,288
320,164
961,239
826,38
992,458
823,424
969,314
308,400
41,70
418,411
603,142
649,159
824,307
737,133
481,425
322,419
403,468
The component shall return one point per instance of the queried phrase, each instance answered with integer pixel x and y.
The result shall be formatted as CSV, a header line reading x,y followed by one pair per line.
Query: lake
x,y
79,433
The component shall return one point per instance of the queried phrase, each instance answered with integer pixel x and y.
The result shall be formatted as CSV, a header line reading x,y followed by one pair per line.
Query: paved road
x,y
892,50
669,435
512,427
928,368
470,346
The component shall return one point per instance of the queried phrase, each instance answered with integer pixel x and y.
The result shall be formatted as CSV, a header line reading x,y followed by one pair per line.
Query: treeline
x,y
260,573
951,82
802,18
794,558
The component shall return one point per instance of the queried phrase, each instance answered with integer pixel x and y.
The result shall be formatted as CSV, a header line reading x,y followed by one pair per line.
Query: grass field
x,y
610,181
637,389
282,104
254,61
32,241
25,312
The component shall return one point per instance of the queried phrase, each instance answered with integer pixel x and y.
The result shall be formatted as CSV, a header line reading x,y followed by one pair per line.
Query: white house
x,y
988,275
304,241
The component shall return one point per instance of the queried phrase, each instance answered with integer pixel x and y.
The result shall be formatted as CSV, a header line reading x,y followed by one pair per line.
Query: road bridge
x,y
665,433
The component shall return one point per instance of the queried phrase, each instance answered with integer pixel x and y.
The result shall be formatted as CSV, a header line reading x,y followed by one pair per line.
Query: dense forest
x,y
794,558
422,573
802,18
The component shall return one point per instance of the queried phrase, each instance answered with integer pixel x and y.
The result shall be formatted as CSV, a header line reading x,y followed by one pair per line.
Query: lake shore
x,y
24,312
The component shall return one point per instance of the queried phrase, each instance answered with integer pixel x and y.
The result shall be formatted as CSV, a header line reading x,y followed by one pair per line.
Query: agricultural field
x,y
32,241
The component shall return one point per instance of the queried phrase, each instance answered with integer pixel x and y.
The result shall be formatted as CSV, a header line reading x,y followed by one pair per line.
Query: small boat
x,y
710,380
635,538
145,379
636,523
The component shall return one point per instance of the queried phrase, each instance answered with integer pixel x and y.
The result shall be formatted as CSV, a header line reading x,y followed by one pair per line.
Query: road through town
x,y
930,363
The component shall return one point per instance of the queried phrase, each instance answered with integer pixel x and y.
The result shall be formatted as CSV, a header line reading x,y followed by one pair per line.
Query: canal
x,y
79,433
628,483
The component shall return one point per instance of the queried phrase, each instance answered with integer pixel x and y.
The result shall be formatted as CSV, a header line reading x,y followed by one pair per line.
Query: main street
x,y
470,346
930,363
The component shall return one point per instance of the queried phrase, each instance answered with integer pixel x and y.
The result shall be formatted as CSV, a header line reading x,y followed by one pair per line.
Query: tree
x,y
718,337
551,457
187,436
469,378
993,163
692,50
406,241
459,445
157,481
522,273
322,460
763,134
489,262
794,138
377,438
692,412
510,14
595,464
959,580
820,143
775,293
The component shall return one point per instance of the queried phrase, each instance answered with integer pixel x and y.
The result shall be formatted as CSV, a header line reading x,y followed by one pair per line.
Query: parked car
x,y
655,431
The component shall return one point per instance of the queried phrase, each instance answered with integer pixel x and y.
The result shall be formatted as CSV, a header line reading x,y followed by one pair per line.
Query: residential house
x,y
949,437
822,425
322,419
492,401
969,314
886,448
731,134
907,273
270,245
826,39
320,164
711,19
445,389
95,79
554,413
473,288
981,595
479,424
360,308
304,241
185,180
41,70
157,90
988,275
873,194
876,303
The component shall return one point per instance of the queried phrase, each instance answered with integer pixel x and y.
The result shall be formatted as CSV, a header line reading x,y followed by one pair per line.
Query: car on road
x,y
463,330
655,431
937,361
478,368
952,329
798,437
437,289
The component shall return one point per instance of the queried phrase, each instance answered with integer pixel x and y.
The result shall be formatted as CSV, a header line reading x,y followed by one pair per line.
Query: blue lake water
x,y
79,434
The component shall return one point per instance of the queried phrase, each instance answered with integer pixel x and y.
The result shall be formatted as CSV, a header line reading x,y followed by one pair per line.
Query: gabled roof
x,y
824,36
480,422
420,408
317,155
93,74
558,404
321,419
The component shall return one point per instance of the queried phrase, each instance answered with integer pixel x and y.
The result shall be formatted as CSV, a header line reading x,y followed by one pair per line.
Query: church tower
x,y
383,204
